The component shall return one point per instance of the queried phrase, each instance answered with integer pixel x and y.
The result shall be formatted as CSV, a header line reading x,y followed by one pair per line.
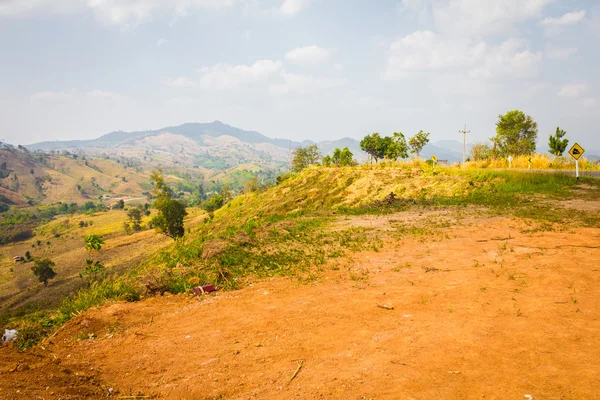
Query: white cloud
x,y
560,53
161,41
566,19
291,7
572,90
304,84
308,55
426,51
512,58
475,17
228,76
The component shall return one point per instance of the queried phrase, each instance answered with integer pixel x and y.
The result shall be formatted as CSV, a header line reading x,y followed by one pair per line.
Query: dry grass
x,y
18,286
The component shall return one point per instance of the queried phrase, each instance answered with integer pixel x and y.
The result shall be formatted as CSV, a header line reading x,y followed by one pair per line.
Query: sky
x,y
298,69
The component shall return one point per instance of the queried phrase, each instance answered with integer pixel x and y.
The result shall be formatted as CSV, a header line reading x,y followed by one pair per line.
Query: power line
x,y
464,132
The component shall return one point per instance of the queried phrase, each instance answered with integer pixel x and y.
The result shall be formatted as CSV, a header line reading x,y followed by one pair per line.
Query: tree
x,y
213,203
346,158
418,141
134,216
516,134
557,144
480,152
341,158
121,204
93,268
305,156
397,147
374,146
171,213
327,161
336,157
42,269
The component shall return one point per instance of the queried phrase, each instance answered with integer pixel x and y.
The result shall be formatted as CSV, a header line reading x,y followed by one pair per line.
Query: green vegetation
x,y
171,213
418,141
340,158
305,156
516,134
42,269
94,269
557,144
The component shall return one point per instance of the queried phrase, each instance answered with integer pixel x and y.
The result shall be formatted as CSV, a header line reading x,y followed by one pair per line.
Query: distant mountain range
x,y
207,143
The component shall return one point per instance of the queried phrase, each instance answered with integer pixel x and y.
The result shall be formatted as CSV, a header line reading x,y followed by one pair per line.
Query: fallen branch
x,y
300,362
385,306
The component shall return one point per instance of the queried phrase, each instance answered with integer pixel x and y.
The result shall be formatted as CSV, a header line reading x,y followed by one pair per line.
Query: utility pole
x,y
464,132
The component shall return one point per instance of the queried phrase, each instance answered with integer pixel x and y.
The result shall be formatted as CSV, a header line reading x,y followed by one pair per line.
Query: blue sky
x,y
300,69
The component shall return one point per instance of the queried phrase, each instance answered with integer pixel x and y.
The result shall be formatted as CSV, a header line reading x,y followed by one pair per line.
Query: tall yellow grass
x,y
538,161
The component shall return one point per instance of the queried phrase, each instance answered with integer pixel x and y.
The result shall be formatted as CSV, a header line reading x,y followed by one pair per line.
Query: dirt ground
x,y
496,309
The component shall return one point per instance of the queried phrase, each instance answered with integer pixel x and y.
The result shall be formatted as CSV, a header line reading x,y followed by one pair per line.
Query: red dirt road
x,y
490,312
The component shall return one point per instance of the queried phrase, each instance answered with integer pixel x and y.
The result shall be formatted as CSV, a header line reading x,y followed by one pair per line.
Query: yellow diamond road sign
x,y
433,158
576,151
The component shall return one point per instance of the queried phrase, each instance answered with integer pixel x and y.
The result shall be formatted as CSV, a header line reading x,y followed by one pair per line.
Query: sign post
x,y
510,158
529,164
433,162
576,152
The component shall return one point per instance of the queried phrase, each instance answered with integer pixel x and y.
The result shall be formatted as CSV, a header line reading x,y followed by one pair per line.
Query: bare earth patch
x,y
488,312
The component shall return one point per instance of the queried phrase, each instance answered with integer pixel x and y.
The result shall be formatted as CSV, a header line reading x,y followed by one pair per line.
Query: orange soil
x,y
490,312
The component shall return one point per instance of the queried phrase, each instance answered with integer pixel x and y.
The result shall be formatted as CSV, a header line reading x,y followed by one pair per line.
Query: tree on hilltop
x,y
374,145
397,147
418,141
305,156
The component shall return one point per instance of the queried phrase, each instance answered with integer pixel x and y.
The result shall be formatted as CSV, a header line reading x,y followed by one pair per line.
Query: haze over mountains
x,y
216,143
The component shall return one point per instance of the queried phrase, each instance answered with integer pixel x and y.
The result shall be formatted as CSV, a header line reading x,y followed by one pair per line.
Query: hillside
x,y
347,282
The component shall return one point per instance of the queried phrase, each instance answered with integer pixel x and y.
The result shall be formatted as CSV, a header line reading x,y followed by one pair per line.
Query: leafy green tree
x,y
397,147
336,157
516,134
134,216
346,157
121,204
42,269
171,213
340,158
557,144
305,156
327,161
374,145
418,141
